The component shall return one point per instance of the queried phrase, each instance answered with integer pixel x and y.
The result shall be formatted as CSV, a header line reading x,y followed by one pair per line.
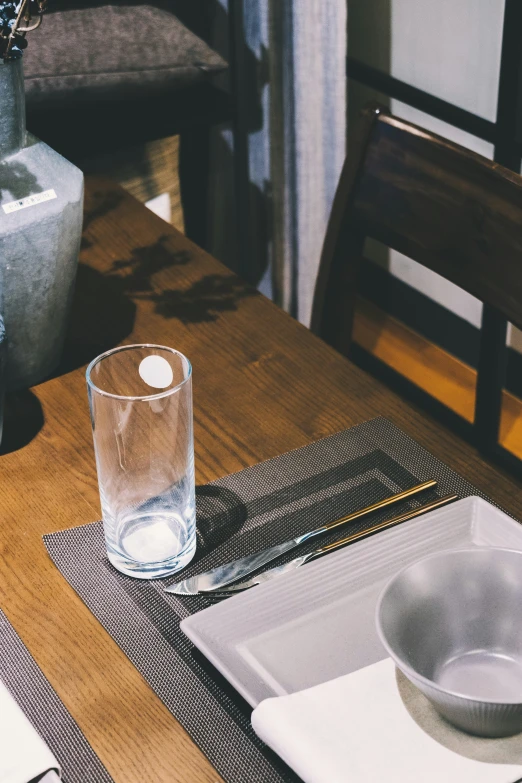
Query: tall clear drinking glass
x,y
140,398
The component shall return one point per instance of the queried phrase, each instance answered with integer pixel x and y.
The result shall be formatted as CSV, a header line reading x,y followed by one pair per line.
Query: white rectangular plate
x,y
317,623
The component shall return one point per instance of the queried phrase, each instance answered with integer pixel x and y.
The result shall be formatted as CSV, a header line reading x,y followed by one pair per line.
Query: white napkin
x,y
23,753
373,725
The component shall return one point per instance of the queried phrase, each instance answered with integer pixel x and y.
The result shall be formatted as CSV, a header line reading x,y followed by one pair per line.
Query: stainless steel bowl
x,y
452,622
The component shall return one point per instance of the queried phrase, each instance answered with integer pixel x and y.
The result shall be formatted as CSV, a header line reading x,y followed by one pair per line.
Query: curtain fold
x,y
293,99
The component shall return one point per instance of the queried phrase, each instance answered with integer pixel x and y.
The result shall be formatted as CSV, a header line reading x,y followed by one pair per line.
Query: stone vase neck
x,y
12,108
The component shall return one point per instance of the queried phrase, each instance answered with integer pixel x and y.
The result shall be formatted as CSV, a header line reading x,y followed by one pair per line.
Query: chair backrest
x,y
450,209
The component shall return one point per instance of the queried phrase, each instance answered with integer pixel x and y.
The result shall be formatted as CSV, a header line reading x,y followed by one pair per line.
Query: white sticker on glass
x,y
156,372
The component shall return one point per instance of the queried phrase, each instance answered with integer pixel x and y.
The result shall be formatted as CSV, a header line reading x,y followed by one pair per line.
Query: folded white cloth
x,y
373,725
23,753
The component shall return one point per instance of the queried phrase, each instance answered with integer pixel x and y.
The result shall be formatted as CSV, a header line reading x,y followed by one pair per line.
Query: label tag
x,y
156,371
29,201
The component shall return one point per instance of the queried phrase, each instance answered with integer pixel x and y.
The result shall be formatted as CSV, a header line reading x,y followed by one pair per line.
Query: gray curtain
x,y
293,103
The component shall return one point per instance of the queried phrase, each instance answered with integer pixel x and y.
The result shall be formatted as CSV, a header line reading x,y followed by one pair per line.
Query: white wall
x,y
451,49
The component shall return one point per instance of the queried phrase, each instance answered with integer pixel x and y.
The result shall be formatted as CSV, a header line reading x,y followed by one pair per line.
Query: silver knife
x,y
297,562
238,569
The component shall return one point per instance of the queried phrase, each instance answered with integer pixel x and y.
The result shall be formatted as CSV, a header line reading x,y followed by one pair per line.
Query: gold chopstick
x,y
381,504
415,512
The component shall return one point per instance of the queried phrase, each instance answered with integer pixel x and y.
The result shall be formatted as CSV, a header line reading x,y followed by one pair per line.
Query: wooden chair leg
x,y
194,161
490,379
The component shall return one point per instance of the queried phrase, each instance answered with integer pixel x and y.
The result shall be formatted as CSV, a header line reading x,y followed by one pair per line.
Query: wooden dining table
x,y
263,384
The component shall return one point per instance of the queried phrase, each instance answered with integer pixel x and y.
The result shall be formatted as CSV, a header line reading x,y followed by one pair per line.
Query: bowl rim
x,y
408,670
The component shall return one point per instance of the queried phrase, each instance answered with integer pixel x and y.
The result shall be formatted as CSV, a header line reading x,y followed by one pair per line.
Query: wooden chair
x,y
445,207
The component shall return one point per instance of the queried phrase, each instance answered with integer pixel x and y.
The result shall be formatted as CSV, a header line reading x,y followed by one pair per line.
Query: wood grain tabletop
x,y
263,384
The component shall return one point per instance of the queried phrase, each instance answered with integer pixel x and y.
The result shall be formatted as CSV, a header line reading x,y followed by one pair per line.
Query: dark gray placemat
x,y
38,700
237,515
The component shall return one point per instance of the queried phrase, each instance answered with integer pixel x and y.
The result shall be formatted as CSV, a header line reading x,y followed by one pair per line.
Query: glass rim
x,y
136,398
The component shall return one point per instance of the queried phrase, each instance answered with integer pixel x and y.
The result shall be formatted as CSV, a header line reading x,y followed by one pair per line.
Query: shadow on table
x,y
104,304
23,420
220,514
202,302
102,316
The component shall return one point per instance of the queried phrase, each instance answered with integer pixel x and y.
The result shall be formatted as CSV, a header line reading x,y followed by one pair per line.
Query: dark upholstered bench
x,y
104,75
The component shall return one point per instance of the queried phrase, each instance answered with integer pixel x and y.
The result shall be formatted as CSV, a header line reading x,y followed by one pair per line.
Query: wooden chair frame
x,y
440,204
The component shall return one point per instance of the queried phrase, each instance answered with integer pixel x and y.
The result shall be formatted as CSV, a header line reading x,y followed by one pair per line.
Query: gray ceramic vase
x,y
41,208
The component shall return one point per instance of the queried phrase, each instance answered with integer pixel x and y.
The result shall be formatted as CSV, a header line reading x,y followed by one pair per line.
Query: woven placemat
x,y
237,515
39,702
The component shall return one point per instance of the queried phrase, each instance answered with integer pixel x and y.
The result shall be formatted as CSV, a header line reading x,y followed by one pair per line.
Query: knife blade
x,y
237,569
297,562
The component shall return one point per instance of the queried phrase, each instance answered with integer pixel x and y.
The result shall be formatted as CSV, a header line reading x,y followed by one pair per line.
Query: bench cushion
x,y
114,51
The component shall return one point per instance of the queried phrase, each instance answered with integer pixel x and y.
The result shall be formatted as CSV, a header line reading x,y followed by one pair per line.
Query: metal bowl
x,y
452,622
